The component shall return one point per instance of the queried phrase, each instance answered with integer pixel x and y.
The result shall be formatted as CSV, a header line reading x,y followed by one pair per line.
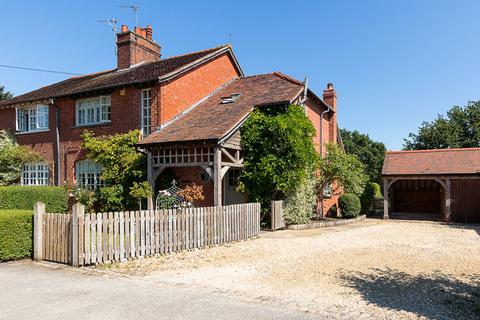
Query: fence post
x,y
78,211
38,212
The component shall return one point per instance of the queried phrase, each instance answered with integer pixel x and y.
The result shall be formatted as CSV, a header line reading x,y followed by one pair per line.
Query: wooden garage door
x,y
466,201
423,196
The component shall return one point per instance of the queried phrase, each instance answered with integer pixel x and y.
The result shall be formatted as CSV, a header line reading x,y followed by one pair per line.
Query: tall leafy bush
x,y
16,234
278,146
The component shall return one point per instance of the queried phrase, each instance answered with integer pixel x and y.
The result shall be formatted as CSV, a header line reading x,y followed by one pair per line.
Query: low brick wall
x,y
325,223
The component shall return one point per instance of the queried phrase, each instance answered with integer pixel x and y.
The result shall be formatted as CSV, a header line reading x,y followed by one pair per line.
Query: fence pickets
x,y
83,239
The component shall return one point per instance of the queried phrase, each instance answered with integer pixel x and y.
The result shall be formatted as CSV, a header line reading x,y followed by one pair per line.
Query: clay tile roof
x,y
212,120
432,162
144,72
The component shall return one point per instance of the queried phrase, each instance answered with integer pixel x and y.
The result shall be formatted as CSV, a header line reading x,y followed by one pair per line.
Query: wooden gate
x,y
82,239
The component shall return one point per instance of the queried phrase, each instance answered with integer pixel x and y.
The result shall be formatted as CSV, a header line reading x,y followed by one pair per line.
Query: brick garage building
x,y
177,104
444,183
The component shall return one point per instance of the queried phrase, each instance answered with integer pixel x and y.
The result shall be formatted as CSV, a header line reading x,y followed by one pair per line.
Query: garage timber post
x,y
386,198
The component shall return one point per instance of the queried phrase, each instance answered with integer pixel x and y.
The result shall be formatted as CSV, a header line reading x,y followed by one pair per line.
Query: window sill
x,y
31,132
106,123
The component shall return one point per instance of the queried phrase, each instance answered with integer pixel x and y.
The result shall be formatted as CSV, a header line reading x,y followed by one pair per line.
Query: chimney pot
x,y
124,28
330,86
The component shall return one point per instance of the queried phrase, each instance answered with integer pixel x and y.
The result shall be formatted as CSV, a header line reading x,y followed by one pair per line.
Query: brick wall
x,y
191,175
181,93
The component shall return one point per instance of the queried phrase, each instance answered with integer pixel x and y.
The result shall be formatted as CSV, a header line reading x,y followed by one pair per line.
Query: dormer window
x,y
32,119
229,99
93,111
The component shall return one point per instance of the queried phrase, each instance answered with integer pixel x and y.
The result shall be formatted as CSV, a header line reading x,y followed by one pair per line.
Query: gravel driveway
x,y
373,269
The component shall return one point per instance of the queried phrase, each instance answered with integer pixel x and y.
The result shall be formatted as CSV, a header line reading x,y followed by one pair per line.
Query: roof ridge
x,y
432,150
88,74
288,78
195,52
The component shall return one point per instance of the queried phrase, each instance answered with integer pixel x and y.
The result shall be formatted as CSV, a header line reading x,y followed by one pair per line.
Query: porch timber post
x,y
448,200
151,182
217,176
385,198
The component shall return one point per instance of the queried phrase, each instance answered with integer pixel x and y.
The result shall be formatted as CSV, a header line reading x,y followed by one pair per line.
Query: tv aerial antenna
x,y
135,9
112,23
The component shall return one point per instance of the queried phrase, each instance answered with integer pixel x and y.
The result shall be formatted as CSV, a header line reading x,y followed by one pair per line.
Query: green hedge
x,y
16,234
24,197
350,205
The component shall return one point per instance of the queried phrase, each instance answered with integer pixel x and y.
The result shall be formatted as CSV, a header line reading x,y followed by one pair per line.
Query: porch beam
x,y
150,179
217,176
230,164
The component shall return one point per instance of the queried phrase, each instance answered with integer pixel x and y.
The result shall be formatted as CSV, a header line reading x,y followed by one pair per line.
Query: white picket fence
x,y
82,239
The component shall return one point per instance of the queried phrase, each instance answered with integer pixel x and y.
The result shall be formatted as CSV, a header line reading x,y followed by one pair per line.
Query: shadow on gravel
x,y
475,227
432,296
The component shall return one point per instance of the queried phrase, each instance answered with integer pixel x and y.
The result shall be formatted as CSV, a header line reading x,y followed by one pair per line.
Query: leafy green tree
x,y
12,157
278,146
122,164
370,153
141,191
459,129
340,170
5,94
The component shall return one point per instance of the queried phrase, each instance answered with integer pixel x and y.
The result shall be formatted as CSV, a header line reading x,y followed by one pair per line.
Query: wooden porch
x,y
215,159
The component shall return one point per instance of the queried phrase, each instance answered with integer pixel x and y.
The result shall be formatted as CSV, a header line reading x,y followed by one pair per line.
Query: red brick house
x,y
189,109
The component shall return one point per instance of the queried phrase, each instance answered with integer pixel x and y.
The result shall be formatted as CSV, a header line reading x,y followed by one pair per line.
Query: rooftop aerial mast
x,y
135,8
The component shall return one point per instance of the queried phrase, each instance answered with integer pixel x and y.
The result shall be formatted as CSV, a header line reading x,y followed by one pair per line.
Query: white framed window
x,y
93,111
35,174
33,118
146,100
88,174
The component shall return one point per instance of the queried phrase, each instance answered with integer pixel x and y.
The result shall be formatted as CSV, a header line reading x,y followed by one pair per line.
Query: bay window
x,y
35,174
33,118
93,111
88,174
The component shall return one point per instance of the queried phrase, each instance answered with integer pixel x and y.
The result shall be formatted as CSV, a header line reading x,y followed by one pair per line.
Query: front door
x,y
230,185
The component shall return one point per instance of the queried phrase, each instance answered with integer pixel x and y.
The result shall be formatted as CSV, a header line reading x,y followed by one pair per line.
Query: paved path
x,y
43,291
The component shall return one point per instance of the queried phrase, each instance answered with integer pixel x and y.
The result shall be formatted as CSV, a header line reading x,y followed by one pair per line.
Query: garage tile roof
x,y
432,162
212,120
144,72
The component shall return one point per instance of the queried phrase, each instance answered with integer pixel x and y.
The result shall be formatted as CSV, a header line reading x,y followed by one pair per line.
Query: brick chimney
x,y
330,98
136,46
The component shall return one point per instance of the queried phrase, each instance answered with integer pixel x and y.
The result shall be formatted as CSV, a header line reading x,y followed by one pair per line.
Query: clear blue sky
x,y
394,63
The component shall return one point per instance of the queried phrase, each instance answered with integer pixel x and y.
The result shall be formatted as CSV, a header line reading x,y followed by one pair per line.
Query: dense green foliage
x,y
342,170
24,197
141,191
12,157
350,205
300,204
16,234
123,166
370,153
5,94
372,191
278,146
459,129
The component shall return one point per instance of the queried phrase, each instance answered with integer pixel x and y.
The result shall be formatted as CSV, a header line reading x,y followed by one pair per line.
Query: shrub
x,y
86,197
299,204
371,192
16,234
24,197
349,205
